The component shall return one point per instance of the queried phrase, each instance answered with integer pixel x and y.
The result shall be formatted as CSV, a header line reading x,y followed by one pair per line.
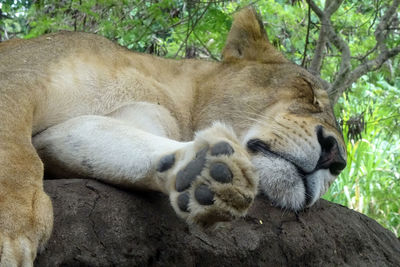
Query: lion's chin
x,y
286,186
318,183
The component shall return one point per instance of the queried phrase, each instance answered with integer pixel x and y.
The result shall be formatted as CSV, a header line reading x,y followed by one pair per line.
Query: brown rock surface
x,y
99,225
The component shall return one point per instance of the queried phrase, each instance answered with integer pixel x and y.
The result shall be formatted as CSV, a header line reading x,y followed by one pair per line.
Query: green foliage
x,y
13,18
167,28
134,24
177,28
371,181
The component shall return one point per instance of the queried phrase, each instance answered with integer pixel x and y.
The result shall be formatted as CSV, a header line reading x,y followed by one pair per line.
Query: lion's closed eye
x,y
306,96
305,101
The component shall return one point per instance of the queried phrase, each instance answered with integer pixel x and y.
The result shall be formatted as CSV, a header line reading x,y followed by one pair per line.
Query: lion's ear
x,y
248,40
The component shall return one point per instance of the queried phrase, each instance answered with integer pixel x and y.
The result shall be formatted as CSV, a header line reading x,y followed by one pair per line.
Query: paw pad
x,y
166,163
222,148
188,174
204,195
183,202
221,172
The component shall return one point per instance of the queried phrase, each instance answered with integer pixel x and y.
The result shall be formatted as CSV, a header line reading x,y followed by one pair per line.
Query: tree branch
x,y
316,9
362,69
381,33
346,75
307,36
332,6
192,29
316,62
326,30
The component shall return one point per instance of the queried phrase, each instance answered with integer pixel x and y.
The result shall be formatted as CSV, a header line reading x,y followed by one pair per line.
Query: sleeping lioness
x,y
208,134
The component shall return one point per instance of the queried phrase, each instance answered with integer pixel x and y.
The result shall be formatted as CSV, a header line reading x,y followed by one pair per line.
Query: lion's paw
x,y
25,227
18,251
210,180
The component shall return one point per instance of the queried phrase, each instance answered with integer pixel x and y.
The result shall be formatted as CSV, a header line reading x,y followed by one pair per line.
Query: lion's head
x,y
281,112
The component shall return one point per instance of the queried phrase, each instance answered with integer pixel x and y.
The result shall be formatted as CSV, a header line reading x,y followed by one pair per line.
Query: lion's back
x,y
37,53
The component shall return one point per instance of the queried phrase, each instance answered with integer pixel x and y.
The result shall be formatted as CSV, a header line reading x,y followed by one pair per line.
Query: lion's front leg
x,y
103,148
208,180
26,214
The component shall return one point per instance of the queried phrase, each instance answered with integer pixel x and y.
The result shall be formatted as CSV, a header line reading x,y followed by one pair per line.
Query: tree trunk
x,y
99,225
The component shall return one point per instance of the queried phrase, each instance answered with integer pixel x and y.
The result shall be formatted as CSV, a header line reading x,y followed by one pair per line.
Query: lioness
x,y
207,134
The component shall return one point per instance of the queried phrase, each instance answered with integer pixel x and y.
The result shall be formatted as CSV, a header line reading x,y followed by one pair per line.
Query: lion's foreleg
x,y
26,214
104,148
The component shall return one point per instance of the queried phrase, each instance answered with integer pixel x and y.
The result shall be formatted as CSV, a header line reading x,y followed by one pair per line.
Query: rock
x,y
100,225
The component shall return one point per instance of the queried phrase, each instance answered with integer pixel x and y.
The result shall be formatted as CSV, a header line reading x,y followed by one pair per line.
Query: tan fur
x,y
50,79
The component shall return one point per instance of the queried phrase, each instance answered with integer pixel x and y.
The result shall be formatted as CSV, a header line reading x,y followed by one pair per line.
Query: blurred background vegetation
x,y
368,111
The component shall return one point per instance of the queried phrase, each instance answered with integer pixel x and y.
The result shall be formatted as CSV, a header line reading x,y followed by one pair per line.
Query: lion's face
x,y
295,145
282,114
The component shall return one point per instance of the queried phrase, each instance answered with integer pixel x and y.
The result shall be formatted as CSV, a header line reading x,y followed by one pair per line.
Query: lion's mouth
x,y
257,145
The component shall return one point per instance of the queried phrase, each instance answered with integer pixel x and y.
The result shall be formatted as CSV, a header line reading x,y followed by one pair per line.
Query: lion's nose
x,y
331,157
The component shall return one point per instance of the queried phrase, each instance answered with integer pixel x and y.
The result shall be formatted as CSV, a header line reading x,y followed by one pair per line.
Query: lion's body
x,y
78,74
97,110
